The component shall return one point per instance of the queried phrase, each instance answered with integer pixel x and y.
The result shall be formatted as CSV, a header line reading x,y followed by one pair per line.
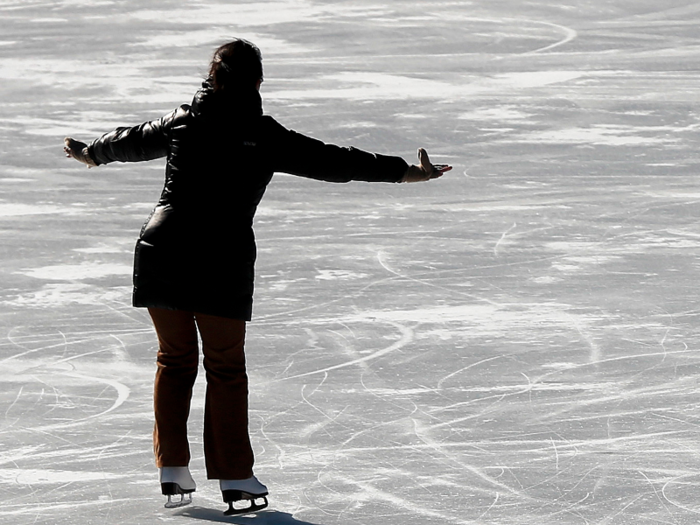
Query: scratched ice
x,y
516,343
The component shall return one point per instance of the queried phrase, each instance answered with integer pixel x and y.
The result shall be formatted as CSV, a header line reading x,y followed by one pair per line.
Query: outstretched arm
x,y
146,141
297,154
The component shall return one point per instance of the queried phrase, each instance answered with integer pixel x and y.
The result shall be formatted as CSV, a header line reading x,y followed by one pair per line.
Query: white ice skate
x,y
243,495
177,480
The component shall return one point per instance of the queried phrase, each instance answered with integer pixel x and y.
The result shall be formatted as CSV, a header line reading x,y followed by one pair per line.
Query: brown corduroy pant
x,y
227,448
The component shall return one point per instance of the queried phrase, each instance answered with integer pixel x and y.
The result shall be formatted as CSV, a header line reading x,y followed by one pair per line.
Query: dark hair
x,y
237,64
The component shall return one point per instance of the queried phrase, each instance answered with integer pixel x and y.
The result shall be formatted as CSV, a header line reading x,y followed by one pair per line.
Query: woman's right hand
x,y
426,170
79,151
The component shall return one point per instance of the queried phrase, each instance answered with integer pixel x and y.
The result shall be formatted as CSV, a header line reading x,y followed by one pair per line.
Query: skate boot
x,y
177,480
243,495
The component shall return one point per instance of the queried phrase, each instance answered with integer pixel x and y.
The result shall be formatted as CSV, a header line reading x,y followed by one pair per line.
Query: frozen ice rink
x,y
515,343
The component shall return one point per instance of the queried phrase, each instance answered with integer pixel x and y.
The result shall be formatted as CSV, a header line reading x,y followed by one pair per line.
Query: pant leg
x,y
177,364
227,449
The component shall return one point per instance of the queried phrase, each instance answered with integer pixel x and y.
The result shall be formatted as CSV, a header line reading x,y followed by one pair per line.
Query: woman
x,y
195,255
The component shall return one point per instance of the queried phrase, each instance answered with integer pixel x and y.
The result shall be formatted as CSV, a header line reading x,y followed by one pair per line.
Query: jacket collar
x,y
235,103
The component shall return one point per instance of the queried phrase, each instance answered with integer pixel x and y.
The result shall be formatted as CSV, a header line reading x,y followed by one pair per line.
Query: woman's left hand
x,y
426,170
79,151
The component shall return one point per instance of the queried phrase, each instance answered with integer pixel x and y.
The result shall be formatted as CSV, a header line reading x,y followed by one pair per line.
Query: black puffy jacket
x,y
196,251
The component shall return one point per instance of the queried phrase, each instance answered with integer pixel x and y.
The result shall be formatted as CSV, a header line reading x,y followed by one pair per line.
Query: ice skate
x,y
244,495
177,480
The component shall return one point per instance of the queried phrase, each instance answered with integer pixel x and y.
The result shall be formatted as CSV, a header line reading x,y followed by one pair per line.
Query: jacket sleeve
x,y
298,154
147,141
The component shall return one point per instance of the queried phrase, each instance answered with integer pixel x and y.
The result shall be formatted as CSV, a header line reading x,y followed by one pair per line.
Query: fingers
x,y
72,147
425,161
432,171
66,146
439,170
77,150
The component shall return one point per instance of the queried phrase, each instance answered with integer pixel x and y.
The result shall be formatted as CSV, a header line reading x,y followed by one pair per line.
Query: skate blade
x,y
256,504
185,499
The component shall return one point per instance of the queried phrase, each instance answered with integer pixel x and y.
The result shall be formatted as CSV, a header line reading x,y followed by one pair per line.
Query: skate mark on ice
x,y
691,485
69,506
453,374
452,461
503,237
369,492
380,258
569,35
270,318
663,355
406,338
495,399
95,336
596,350
636,395
122,390
610,518
121,357
312,428
389,396
15,342
457,462
659,495
347,347
9,409
659,16
49,366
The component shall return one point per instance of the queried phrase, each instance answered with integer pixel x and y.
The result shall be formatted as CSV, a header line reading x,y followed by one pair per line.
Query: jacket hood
x,y
237,104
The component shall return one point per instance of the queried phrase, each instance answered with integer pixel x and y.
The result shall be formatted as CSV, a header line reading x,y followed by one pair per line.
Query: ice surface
x,y
515,343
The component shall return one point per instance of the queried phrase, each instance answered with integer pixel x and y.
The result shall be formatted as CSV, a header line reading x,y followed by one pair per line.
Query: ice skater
x,y
194,258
